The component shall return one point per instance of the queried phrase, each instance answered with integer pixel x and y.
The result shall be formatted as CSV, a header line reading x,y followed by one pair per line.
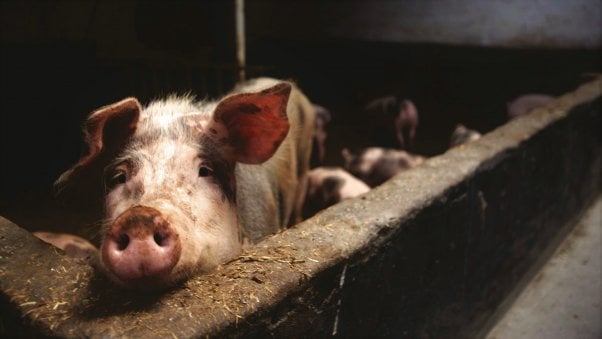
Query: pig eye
x,y
205,171
117,178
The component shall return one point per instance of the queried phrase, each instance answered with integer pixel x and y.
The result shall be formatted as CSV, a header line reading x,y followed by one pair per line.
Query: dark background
x,y
60,60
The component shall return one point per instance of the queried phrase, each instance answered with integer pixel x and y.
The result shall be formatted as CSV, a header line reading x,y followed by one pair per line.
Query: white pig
x,y
375,165
462,135
328,186
186,182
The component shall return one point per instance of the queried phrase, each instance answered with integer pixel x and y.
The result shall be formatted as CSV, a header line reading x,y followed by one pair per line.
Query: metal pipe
x,y
239,8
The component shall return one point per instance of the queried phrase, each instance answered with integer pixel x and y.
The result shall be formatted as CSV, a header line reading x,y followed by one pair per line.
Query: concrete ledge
x,y
431,253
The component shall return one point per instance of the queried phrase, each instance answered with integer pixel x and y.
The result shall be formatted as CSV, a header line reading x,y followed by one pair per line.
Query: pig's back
x,y
267,193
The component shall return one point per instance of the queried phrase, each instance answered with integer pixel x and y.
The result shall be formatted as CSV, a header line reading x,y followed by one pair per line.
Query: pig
x,y
186,183
318,153
392,122
375,165
461,135
72,245
526,103
328,186
290,166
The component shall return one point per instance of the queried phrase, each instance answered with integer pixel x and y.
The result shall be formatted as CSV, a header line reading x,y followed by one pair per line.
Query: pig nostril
x,y
159,239
123,242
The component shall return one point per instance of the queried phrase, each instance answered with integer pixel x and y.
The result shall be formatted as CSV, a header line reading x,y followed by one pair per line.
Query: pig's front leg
x,y
74,246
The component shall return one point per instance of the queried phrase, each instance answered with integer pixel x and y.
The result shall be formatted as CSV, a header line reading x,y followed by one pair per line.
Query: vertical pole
x,y
239,8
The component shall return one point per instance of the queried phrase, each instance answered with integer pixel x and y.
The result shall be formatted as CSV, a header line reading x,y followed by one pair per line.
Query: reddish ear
x,y
256,123
105,132
111,125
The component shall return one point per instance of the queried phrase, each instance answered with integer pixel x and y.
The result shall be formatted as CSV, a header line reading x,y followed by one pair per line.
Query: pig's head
x,y
406,123
168,173
375,165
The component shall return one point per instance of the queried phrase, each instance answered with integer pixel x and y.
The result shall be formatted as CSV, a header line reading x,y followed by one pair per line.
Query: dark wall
x,y
62,59
448,84
492,23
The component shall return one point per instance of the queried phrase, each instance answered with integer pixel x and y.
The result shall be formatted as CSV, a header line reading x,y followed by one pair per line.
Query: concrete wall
x,y
431,253
514,23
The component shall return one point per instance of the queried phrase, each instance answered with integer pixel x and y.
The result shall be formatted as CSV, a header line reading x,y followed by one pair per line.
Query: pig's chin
x,y
152,283
147,284
181,271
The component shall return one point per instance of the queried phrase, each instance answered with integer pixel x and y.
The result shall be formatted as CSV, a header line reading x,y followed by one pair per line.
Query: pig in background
x,y
524,104
375,165
328,186
462,135
323,117
185,183
390,122
74,246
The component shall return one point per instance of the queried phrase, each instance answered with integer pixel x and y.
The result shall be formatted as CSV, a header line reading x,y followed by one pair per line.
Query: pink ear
x,y
256,123
111,125
105,132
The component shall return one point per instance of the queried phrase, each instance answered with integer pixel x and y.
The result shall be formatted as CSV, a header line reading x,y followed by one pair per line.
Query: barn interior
x,y
459,62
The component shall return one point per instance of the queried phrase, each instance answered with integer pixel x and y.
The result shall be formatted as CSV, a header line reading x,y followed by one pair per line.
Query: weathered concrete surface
x,y
564,298
431,253
507,23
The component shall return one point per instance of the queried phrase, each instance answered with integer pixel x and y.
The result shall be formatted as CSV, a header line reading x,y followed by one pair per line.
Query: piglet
x,y
186,182
461,135
375,165
72,245
328,186
391,122
526,103
323,117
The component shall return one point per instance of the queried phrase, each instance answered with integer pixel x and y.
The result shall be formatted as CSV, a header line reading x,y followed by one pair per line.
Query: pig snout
x,y
141,244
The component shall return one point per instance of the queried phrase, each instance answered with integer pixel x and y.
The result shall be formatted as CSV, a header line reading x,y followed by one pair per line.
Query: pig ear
x,y
255,123
346,154
105,132
112,124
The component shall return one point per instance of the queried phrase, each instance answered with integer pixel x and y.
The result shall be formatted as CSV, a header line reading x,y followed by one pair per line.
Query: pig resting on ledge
x,y
180,185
